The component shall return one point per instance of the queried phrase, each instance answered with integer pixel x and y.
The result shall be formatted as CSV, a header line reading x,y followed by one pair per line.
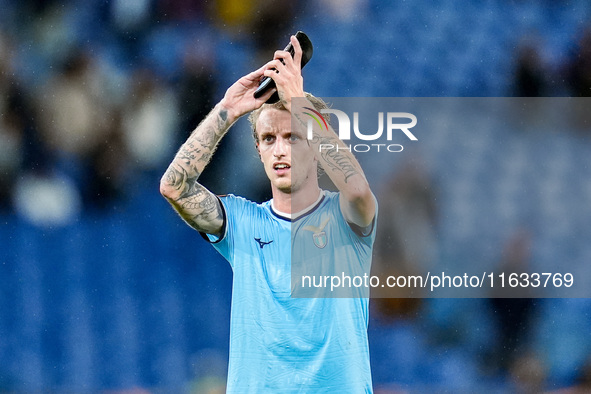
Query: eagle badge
x,y
319,235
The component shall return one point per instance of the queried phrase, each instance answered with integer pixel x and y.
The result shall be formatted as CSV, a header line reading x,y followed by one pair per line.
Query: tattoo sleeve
x,y
339,163
196,205
341,166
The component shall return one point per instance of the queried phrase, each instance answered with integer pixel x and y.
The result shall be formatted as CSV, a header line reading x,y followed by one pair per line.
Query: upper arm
x,y
201,210
359,208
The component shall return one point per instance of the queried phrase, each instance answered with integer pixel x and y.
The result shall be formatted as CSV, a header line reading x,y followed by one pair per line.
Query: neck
x,y
296,201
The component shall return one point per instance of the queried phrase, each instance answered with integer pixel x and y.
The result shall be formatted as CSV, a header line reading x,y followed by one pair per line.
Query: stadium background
x,y
102,287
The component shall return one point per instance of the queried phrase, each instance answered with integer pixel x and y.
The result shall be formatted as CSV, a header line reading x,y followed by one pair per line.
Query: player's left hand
x,y
287,73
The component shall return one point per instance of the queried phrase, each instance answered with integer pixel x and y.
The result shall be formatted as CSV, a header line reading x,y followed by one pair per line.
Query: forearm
x,y
195,153
179,184
334,156
342,168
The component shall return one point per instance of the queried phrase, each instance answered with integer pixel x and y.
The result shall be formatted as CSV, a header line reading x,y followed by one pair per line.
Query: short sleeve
x,y
234,210
365,235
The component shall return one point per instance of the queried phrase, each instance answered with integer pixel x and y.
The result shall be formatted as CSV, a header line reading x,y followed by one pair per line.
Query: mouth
x,y
281,168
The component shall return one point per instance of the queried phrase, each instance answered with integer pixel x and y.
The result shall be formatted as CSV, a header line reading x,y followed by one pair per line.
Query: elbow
x,y
360,193
168,190
366,204
362,205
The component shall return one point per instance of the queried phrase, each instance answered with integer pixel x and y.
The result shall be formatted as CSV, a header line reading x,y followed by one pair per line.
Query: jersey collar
x,y
295,216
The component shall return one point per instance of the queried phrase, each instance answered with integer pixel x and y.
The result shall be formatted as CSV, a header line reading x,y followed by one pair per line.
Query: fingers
x,y
297,56
271,73
275,65
266,96
282,63
286,71
256,74
276,69
287,58
283,57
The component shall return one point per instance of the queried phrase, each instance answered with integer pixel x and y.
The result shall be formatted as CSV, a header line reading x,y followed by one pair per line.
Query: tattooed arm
x,y
343,169
179,185
195,204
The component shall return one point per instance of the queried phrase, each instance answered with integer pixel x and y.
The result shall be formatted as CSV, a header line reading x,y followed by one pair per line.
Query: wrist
x,y
298,96
287,105
227,113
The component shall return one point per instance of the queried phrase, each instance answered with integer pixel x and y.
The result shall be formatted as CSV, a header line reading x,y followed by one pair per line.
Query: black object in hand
x,y
268,83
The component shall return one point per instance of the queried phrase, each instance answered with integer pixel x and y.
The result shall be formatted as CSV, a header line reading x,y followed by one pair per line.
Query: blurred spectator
x,y
235,14
266,24
408,216
512,310
345,10
131,21
197,88
11,147
11,126
72,107
38,193
47,199
579,68
198,83
79,123
150,121
36,7
272,26
406,242
131,16
107,169
528,374
582,384
28,11
529,75
578,77
21,148
182,10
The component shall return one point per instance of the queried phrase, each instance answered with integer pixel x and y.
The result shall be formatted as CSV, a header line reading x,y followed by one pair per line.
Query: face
x,y
288,159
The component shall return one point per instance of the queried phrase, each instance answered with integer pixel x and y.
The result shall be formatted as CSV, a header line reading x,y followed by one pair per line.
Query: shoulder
x,y
331,196
238,201
240,215
240,207
332,203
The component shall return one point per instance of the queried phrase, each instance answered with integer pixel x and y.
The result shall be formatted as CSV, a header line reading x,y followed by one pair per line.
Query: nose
x,y
280,148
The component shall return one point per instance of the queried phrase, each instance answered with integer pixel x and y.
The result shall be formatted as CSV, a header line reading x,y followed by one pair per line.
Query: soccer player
x,y
279,343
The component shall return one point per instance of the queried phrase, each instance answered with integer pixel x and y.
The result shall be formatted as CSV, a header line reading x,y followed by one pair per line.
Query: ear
x,y
259,151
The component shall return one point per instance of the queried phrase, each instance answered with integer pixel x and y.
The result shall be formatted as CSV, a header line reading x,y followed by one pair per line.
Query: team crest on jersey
x,y
319,237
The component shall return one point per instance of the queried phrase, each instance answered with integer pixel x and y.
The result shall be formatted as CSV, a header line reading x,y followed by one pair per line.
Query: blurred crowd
x,y
95,95
537,75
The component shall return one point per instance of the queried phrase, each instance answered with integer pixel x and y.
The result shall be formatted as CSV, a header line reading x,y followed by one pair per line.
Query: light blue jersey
x,y
280,344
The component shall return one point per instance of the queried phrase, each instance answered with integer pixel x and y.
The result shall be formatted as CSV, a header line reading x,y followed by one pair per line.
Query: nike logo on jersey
x,y
262,243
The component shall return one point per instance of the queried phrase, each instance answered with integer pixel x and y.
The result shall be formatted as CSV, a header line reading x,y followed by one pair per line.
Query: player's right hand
x,y
286,71
239,98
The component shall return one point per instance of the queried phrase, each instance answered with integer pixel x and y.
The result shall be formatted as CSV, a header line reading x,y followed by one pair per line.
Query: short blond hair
x,y
317,102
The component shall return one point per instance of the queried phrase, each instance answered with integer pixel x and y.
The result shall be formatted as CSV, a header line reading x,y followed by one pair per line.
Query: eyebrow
x,y
275,133
267,134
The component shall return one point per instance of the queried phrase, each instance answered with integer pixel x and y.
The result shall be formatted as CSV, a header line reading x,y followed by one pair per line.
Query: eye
x,y
268,138
293,138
